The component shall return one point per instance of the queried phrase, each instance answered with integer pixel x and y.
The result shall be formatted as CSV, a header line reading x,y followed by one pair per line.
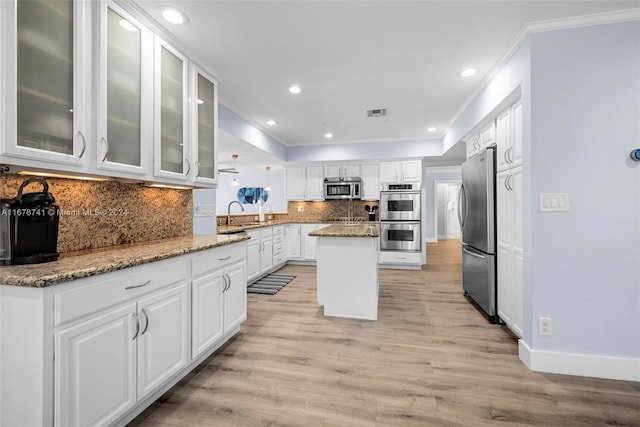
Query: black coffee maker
x,y
29,226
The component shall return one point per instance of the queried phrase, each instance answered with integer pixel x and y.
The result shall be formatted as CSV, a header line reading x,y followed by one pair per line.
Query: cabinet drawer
x,y
278,259
277,238
215,258
278,230
278,248
103,291
389,257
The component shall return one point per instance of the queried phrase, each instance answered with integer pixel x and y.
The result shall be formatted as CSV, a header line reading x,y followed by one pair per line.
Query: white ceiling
x,y
350,56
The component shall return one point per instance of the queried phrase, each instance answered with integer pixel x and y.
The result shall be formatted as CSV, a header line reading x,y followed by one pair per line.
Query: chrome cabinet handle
x,y
84,145
224,277
228,281
146,318
225,258
138,286
188,166
137,326
197,168
504,155
510,151
106,149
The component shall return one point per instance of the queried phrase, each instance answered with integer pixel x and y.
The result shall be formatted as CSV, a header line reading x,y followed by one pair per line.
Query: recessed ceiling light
x,y
128,26
328,135
271,122
174,16
295,89
468,72
200,101
432,129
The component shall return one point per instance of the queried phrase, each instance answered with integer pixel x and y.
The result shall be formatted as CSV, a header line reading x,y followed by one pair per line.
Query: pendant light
x,y
234,183
267,188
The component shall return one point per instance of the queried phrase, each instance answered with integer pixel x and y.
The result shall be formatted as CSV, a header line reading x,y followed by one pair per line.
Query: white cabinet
x,y
315,182
171,143
309,243
510,248
341,170
293,242
96,354
295,183
125,95
509,137
279,246
204,127
370,182
405,171
259,253
47,83
111,360
481,139
218,296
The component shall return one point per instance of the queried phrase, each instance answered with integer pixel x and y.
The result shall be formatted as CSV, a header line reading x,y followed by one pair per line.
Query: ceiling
x,y
351,56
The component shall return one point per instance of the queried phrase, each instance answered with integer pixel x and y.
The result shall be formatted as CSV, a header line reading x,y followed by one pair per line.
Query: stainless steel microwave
x,y
342,188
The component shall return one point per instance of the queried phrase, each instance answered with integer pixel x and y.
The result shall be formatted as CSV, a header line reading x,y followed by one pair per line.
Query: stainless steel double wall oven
x,y
400,217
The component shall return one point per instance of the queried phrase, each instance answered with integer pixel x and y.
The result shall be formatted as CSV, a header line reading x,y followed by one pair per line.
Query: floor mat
x,y
270,284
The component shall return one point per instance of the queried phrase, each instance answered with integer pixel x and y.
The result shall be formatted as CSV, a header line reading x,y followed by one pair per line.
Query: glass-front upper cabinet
x,y
204,133
125,93
171,114
47,80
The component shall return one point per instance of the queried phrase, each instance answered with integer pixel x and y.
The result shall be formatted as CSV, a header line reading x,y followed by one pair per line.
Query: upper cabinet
x,y
295,183
482,139
334,171
125,98
315,183
509,137
46,69
170,153
370,182
405,171
204,130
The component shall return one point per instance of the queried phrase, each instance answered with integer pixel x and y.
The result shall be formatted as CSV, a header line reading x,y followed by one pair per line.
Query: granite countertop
x,y
75,265
354,230
230,229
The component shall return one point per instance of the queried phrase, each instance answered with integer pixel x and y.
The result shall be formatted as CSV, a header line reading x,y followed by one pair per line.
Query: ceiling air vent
x,y
378,112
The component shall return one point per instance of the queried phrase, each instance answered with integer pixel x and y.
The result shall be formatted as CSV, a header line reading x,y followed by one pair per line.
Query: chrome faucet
x,y
229,210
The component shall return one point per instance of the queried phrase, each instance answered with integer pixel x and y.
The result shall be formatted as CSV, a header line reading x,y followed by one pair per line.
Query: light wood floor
x,y
431,359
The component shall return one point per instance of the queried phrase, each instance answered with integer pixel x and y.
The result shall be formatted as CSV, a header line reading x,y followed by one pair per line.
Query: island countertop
x,y
75,265
343,230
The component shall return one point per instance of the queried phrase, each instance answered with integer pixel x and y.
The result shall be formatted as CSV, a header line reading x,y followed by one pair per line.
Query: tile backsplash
x,y
329,210
109,213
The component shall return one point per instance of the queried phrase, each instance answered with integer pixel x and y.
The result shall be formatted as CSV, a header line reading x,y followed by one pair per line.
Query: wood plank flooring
x,y
431,359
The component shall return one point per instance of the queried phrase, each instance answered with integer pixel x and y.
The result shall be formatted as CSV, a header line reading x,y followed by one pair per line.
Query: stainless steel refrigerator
x,y
478,225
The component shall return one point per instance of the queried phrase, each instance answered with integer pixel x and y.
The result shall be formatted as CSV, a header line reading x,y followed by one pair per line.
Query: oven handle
x,y
473,254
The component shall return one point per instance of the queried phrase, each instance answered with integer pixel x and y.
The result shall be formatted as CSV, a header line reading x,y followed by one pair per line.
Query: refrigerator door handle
x,y
461,206
473,253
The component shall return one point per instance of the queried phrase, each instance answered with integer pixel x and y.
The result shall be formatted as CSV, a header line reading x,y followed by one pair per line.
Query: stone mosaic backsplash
x,y
109,213
328,210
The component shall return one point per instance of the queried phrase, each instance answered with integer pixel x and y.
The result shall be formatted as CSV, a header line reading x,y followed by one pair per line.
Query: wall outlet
x,y
300,208
545,326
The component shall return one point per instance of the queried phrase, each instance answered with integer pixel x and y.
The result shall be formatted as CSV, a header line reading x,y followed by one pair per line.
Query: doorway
x,y
446,212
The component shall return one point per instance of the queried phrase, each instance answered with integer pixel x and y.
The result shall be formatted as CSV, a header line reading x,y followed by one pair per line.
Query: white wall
x,y
225,193
585,119
429,178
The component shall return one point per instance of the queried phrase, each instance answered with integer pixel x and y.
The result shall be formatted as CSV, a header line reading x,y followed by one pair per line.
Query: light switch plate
x,y
554,202
205,210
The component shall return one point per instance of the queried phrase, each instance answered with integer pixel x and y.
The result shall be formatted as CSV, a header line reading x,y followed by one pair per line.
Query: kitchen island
x,y
347,270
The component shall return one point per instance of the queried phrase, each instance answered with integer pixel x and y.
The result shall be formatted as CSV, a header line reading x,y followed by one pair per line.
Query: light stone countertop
x,y
75,265
342,230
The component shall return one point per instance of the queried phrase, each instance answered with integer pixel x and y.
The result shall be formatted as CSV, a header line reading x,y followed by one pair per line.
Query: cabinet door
x,y
516,147
295,183
503,143
293,242
48,65
315,182
266,256
254,250
125,93
163,342
310,242
504,212
351,170
235,297
95,369
389,171
207,312
204,127
170,115
412,171
332,171
473,145
370,182
488,135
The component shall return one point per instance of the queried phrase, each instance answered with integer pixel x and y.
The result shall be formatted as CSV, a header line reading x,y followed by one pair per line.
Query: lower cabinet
x,y
102,348
259,253
293,242
309,243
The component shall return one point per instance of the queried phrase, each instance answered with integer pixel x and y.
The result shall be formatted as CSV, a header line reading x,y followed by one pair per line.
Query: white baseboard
x,y
585,365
